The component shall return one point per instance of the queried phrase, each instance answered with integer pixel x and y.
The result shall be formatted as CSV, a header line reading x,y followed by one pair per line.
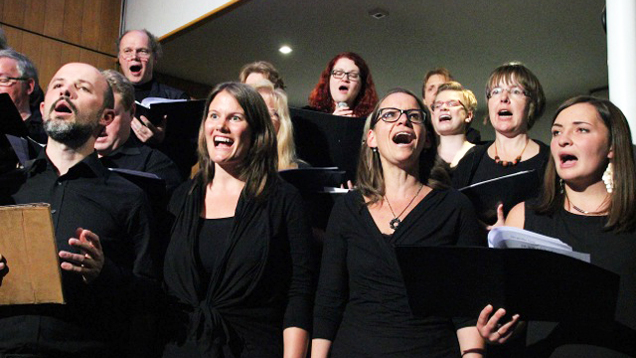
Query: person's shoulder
x,y
170,92
123,186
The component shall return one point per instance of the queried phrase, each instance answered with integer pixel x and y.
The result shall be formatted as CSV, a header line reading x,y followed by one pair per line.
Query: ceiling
x,y
562,42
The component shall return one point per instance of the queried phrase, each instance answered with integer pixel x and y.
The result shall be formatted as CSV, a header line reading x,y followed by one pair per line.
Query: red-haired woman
x,y
345,87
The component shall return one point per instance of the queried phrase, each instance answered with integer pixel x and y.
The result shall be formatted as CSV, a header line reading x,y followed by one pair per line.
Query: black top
x,y
263,283
361,302
136,156
153,88
614,252
213,238
35,127
94,321
476,166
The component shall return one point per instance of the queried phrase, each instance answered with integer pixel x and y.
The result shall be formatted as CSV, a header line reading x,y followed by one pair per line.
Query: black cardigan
x,y
265,283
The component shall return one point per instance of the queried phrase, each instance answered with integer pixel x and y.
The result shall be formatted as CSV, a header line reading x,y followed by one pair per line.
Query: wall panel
x,y
54,32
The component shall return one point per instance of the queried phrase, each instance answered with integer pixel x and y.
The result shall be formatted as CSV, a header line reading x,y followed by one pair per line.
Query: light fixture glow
x,y
285,50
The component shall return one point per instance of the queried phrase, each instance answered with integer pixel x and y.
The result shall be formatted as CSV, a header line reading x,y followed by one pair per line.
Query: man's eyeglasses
x,y
130,53
437,105
339,74
515,92
6,81
393,114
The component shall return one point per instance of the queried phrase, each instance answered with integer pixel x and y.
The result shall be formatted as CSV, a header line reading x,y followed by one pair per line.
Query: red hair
x,y
320,97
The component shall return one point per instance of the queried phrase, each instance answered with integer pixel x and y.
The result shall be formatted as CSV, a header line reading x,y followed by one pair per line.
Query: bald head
x,y
78,102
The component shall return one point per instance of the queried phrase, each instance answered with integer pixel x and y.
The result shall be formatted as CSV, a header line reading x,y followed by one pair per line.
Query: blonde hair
x,y
285,137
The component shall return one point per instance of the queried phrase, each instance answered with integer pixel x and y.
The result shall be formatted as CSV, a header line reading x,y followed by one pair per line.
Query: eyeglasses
x,y
437,105
393,114
515,92
339,74
6,81
129,53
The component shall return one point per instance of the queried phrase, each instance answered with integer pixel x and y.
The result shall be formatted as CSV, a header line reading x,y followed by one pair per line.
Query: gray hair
x,y
26,68
155,46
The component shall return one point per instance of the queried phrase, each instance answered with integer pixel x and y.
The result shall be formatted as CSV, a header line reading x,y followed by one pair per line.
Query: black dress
x,y
361,303
476,166
614,252
261,282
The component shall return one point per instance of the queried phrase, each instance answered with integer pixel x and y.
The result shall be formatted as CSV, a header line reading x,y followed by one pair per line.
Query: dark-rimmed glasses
x,y
391,114
339,74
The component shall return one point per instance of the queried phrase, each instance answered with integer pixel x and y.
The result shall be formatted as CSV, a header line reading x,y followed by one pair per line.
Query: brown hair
x,y
266,69
438,71
370,176
515,72
259,169
622,211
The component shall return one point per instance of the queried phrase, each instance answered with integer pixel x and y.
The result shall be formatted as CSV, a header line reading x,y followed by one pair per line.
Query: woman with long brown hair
x,y
402,198
237,270
589,202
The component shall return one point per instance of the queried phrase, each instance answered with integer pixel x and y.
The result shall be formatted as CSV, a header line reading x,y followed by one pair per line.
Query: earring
x,y
608,177
561,185
374,150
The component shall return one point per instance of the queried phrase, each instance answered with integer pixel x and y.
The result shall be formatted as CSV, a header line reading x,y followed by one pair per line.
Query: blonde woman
x,y
276,100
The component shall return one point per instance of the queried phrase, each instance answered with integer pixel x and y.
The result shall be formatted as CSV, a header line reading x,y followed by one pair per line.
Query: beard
x,y
71,133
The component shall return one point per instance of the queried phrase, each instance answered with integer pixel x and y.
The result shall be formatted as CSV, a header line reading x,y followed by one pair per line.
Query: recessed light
x,y
378,13
285,50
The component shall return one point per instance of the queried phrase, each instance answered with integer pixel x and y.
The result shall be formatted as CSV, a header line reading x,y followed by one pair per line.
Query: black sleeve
x,y
301,295
139,287
333,287
165,168
470,233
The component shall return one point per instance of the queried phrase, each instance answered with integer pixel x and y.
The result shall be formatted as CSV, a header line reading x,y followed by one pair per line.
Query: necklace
x,y
395,222
584,212
505,163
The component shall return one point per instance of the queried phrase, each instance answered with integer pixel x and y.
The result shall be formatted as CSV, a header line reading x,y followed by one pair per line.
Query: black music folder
x,y
314,179
538,285
10,120
325,140
182,130
154,108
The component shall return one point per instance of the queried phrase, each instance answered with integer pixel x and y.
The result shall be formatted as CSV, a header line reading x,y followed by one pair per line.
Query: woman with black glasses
x,y
345,87
361,307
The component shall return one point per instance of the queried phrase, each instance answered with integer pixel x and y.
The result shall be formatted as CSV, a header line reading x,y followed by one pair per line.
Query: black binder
x,y
10,120
538,285
325,140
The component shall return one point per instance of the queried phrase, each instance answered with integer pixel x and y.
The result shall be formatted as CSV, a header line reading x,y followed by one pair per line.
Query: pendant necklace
x,y
505,163
584,212
395,222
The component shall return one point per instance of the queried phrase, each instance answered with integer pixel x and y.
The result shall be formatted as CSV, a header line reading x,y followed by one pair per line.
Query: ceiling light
x,y
285,50
378,13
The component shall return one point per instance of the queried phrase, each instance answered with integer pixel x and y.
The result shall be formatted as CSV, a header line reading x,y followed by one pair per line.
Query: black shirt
x,y
612,251
94,321
153,88
136,156
361,303
35,126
